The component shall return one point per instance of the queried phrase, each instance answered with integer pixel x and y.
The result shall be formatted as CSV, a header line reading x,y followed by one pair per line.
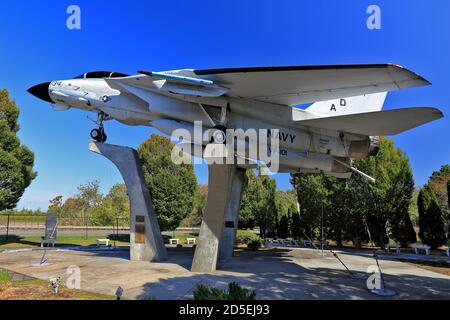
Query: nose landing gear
x,y
99,134
219,135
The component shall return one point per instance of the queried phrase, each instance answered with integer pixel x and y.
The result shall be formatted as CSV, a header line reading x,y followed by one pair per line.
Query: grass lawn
x,y
39,290
30,241
4,276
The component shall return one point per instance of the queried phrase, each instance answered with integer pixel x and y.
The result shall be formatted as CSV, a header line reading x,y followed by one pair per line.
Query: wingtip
x,y
424,81
441,114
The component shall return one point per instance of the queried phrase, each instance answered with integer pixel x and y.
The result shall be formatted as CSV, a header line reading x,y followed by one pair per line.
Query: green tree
x,y
448,193
413,209
284,202
89,194
312,196
431,226
386,201
194,219
448,214
120,201
172,187
55,205
258,204
87,204
16,160
356,209
283,227
438,184
402,229
295,226
114,208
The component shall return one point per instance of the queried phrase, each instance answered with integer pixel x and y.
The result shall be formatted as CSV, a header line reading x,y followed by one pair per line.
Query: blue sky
x,y
127,36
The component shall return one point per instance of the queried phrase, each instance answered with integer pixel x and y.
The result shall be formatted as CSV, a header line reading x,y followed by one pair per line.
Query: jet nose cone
x,y
41,91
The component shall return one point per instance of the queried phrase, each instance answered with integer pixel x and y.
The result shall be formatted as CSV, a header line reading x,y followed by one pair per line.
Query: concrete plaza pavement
x,y
292,274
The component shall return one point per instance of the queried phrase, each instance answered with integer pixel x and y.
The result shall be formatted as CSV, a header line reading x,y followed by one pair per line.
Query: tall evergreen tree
x,y
313,197
448,214
356,209
448,193
295,226
283,227
402,229
16,160
258,207
438,184
431,225
385,202
172,186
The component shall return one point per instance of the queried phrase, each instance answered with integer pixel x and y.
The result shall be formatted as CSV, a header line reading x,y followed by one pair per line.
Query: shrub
x,y
235,292
252,241
4,276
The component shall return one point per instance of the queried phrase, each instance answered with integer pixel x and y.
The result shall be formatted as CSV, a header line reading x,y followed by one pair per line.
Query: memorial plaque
x,y
139,234
51,224
229,224
140,219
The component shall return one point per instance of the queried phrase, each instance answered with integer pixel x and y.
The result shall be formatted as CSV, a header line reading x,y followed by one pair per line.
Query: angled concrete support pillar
x,y
146,240
219,189
228,240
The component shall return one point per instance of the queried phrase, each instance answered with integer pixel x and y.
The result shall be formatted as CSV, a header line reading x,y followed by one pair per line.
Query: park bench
x,y
397,247
288,243
276,242
174,241
105,241
424,248
269,242
191,241
295,243
48,242
307,243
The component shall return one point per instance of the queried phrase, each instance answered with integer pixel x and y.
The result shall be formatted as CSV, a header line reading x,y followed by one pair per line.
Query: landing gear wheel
x,y
99,135
219,135
96,134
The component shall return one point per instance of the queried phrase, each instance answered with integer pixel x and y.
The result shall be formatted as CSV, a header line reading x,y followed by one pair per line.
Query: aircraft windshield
x,y
101,74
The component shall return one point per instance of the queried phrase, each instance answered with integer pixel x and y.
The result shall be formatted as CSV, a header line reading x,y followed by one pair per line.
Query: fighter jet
x,y
342,122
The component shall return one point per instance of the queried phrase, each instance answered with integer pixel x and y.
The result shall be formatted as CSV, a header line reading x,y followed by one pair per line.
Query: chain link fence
x,y
77,229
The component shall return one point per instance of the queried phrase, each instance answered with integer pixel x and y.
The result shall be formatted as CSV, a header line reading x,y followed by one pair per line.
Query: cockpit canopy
x,y
101,74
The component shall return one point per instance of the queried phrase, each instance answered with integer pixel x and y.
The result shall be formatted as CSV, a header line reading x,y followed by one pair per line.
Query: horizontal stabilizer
x,y
381,123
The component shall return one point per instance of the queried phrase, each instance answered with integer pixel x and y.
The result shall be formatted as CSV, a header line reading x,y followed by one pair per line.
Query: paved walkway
x,y
274,274
383,254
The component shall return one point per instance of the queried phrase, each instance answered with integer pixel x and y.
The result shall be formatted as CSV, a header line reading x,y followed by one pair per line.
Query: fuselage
x,y
305,148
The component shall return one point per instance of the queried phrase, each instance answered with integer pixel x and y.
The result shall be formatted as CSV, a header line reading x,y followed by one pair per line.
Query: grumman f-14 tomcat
x,y
343,122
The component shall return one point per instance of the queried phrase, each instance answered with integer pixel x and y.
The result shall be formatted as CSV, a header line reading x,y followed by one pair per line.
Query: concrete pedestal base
x,y
221,213
146,240
228,240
